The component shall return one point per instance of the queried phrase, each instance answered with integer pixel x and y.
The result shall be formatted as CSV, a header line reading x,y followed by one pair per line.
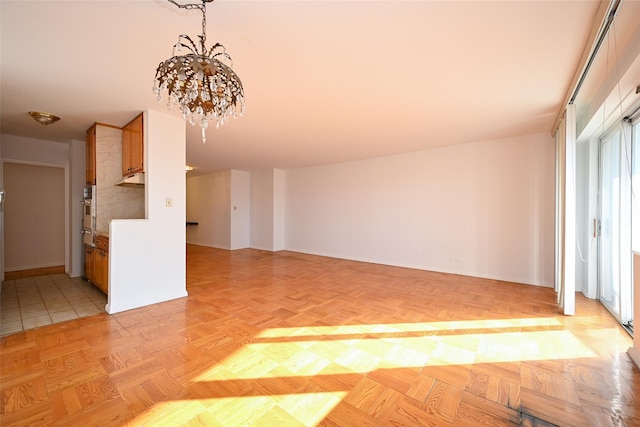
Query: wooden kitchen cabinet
x,y
102,271
89,264
96,263
91,155
133,147
101,263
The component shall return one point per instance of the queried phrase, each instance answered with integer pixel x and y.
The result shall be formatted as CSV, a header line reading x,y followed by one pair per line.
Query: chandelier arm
x,y
193,48
226,55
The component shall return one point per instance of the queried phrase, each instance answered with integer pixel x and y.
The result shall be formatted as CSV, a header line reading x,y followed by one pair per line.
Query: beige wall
x,y
34,216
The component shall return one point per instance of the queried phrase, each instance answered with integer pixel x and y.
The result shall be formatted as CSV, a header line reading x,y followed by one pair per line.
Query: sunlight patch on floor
x,y
358,352
285,355
290,410
423,327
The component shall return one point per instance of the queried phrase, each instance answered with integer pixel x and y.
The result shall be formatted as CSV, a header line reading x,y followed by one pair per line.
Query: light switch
x,y
168,202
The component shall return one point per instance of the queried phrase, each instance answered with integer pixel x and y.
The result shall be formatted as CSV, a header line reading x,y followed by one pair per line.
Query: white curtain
x,y
565,274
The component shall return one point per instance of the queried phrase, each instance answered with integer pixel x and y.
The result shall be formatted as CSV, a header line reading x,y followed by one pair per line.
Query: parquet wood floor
x,y
286,339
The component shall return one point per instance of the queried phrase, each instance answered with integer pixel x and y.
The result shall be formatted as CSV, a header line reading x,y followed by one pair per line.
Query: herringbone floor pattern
x,y
285,339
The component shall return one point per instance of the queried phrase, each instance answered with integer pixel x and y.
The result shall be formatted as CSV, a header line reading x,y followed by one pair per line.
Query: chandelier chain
x,y
202,8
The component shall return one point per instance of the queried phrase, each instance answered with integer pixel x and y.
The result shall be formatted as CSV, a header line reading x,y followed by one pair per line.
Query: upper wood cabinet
x,y
132,147
91,155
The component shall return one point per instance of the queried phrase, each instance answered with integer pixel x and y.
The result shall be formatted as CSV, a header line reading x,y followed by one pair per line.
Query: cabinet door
x,y
91,155
98,266
133,147
102,270
89,264
105,272
137,145
126,150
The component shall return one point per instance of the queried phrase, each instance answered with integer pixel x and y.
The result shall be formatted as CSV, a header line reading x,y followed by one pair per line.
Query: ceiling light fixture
x,y
200,82
43,118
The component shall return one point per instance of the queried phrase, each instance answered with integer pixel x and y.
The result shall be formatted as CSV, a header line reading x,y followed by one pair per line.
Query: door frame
x,y
67,208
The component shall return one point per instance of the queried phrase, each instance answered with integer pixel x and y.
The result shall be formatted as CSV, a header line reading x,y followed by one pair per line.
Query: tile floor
x,y
31,302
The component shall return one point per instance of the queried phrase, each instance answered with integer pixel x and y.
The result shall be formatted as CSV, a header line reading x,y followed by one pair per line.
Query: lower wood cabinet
x,y
89,264
96,264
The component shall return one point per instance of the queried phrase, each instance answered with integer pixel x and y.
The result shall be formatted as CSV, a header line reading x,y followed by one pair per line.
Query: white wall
x,y
78,161
35,151
267,209
279,200
221,205
482,209
209,204
262,207
147,257
240,209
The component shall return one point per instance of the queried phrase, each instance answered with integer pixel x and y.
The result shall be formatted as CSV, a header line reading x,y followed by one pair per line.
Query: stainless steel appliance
x,y
89,215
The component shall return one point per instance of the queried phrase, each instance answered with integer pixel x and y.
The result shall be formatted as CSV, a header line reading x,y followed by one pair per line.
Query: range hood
x,y
134,180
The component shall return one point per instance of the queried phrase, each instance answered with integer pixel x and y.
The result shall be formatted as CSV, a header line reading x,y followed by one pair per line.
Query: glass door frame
x,y
621,302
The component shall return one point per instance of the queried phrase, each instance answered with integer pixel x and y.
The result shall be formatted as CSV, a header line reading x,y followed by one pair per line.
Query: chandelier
x,y
201,82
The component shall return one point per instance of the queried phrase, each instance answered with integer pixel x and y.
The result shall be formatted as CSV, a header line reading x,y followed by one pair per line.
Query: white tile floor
x,y
43,300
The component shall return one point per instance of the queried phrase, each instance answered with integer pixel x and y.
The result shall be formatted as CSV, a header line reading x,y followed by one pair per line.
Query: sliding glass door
x,y
614,243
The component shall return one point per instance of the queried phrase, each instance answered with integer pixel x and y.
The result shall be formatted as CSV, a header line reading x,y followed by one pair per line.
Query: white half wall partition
x,y
147,257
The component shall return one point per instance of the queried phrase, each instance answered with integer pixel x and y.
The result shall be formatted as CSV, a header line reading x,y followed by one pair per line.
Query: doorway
x,y
34,216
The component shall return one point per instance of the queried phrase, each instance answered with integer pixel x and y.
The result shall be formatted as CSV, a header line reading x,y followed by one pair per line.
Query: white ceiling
x,y
325,81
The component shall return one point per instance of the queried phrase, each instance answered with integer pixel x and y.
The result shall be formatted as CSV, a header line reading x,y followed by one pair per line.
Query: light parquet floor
x,y
285,339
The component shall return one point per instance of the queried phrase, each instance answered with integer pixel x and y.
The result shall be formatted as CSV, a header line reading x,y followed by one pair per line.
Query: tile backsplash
x,y
113,202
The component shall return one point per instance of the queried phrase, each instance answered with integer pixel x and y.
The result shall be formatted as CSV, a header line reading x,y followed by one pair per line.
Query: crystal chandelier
x,y
201,82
